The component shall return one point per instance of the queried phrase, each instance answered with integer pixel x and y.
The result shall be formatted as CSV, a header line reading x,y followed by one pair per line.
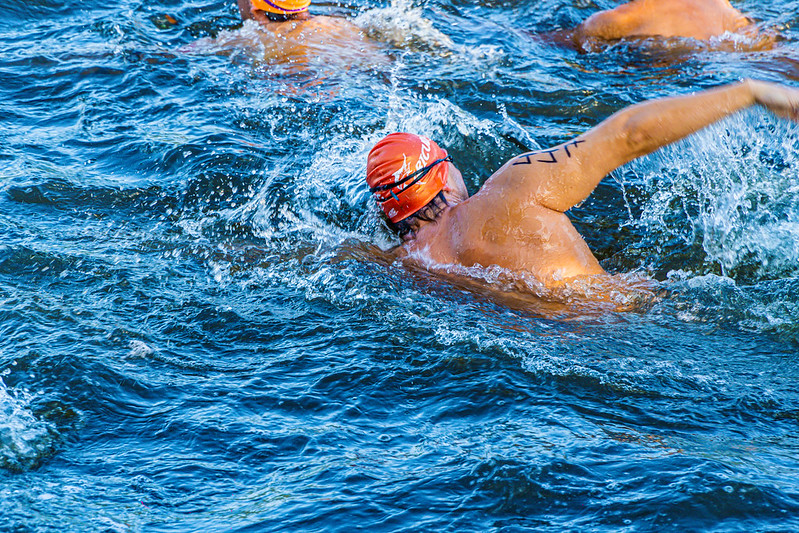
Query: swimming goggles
x,y
415,176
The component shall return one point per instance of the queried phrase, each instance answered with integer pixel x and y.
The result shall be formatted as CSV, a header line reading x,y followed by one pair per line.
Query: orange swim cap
x,y
282,7
404,172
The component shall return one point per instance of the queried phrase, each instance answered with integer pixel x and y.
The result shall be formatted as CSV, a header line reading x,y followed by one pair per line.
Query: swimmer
x,y
697,19
289,33
517,220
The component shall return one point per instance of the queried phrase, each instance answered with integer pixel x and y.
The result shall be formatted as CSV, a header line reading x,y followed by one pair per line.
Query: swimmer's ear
x,y
454,186
448,183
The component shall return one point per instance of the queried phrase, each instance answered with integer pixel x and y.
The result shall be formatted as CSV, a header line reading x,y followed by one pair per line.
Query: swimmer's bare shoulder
x,y
612,24
696,19
700,19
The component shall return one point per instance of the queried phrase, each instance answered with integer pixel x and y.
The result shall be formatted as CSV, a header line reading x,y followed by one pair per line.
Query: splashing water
x,y
24,439
405,27
738,195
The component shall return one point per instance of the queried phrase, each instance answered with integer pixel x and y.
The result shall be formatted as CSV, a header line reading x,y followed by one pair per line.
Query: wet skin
x,y
699,19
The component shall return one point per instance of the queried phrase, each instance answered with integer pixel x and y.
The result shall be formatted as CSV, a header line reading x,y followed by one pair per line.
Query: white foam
x,y
139,349
404,26
23,437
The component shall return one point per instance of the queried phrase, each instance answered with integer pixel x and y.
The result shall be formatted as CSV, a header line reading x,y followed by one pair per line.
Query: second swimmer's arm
x,y
643,128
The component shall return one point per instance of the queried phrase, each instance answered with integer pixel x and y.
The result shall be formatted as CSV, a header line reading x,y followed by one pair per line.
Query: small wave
x,y
404,26
139,349
767,306
750,39
25,440
247,40
439,119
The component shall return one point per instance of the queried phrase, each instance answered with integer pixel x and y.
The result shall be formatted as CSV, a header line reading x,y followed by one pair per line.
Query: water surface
x,y
200,332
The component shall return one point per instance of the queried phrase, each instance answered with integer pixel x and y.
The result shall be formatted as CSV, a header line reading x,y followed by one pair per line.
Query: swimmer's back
x,y
317,35
699,19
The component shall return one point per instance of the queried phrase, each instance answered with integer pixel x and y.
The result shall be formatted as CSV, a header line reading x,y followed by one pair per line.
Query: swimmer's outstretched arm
x,y
561,177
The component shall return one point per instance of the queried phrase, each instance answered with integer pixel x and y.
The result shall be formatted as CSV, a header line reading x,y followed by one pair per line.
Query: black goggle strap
x,y
415,176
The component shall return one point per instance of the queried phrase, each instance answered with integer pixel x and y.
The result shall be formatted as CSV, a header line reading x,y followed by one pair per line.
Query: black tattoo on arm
x,y
551,155
525,159
573,143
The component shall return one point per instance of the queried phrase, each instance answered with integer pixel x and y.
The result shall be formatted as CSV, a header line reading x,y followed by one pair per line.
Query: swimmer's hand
x,y
781,100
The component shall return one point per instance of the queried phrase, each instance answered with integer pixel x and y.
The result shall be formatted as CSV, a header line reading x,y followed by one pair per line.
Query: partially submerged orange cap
x,y
405,172
282,7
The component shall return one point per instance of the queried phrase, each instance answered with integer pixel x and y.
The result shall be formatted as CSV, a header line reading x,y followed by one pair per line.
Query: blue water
x,y
199,330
